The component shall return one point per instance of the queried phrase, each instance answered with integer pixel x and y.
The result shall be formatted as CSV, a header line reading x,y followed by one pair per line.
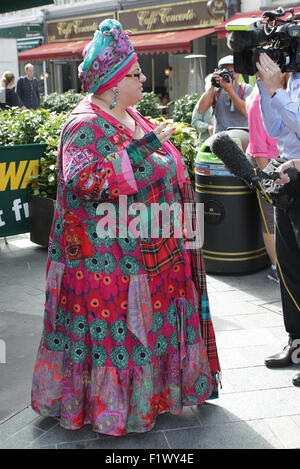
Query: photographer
x,y
227,97
203,123
281,117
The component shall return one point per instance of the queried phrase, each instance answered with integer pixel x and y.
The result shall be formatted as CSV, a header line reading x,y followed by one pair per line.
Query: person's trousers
x,y
288,254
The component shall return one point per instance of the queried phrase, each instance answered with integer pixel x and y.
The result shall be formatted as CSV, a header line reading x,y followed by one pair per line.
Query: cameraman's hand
x,y
283,177
270,73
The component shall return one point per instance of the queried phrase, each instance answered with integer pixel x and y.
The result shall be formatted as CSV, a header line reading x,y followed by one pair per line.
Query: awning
x,y
14,5
173,41
54,51
220,28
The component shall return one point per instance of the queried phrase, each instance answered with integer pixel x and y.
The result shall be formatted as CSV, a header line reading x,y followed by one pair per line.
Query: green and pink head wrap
x,y
107,58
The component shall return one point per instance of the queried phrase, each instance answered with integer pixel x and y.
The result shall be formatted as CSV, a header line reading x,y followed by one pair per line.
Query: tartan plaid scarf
x,y
199,278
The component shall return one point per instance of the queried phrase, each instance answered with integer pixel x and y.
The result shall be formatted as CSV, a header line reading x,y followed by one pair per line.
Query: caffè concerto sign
x,y
166,17
172,17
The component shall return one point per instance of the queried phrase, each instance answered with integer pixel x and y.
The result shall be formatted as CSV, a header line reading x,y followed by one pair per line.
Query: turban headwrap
x,y
107,58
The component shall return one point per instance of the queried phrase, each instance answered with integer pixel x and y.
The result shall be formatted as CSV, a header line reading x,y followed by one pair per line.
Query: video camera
x,y
280,34
225,74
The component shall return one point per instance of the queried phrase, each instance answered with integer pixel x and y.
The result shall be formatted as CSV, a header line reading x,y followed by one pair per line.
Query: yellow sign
x,y
18,178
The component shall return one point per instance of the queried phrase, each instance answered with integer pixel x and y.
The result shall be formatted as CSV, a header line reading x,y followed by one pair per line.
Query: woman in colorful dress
x,y
127,328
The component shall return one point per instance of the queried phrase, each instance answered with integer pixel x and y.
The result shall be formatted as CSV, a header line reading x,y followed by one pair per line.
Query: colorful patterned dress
x,y
127,329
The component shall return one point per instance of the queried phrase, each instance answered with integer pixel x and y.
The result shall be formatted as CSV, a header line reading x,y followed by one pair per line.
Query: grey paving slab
x,y
280,334
252,321
150,440
237,308
269,403
233,358
237,435
231,296
257,408
244,338
258,378
286,430
22,334
274,306
17,422
23,438
212,414
58,435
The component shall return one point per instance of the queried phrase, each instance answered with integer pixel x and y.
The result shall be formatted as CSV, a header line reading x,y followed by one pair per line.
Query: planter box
x,y
17,164
41,215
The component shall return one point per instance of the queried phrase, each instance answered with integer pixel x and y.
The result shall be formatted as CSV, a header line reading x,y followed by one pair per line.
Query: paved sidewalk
x,y
257,408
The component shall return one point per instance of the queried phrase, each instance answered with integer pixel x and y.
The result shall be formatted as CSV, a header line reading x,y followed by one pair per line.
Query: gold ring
x,y
267,69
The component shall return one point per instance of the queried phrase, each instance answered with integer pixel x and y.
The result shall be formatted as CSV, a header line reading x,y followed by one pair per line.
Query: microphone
x,y
225,148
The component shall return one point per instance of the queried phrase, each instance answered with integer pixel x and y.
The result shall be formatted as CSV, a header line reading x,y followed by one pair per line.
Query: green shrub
x,y
19,127
43,126
185,140
61,102
148,106
183,108
45,183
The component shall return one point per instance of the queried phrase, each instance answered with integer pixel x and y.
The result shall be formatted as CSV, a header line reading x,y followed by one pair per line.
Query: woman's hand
x,y
283,177
269,72
162,133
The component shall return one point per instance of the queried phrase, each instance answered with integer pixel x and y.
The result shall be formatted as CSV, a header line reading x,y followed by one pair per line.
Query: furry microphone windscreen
x,y
225,148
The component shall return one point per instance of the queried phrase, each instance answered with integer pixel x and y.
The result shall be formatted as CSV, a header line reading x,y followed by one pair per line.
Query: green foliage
x,y
148,106
61,102
45,183
185,139
19,127
183,108
44,126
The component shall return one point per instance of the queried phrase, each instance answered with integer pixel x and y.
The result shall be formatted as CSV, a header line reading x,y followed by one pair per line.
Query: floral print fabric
x,y
122,337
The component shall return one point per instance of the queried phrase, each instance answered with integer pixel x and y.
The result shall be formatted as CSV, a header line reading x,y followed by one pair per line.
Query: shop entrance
x,y
66,76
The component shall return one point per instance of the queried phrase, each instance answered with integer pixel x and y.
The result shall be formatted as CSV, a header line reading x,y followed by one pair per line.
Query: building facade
x,y
162,35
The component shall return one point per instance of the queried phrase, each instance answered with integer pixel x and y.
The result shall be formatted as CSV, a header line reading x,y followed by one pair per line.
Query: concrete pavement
x,y
258,408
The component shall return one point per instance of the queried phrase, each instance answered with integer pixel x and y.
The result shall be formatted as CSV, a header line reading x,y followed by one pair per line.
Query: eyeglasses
x,y
135,75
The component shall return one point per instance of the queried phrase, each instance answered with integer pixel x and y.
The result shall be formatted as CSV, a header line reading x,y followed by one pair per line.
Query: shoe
x,y
296,380
272,275
281,359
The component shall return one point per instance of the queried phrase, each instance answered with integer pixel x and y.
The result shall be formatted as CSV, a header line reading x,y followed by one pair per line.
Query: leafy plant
x,y
45,183
61,102
148,106
41,126
183,108
185,140
20,127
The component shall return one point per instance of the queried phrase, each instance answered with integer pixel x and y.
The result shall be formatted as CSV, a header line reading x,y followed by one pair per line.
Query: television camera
x,y
276,33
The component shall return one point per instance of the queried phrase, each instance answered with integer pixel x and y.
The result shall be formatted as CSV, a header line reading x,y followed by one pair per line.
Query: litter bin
x,y
233,242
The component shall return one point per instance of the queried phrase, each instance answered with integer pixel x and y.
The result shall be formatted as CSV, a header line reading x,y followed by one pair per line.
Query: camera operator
x,y
281,117
227,97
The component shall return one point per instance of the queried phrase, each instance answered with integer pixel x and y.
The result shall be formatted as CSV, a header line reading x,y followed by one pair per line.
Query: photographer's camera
x,y
225,75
